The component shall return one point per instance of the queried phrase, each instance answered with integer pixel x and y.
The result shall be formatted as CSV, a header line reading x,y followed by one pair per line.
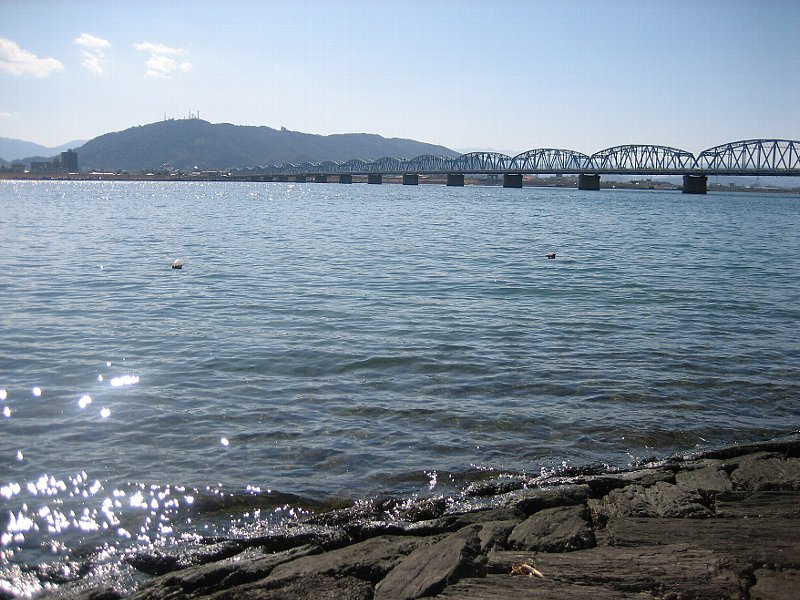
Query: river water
x,y
330,343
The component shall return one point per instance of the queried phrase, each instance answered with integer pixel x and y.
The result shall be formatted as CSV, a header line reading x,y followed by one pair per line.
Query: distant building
x,y
41,167
69,161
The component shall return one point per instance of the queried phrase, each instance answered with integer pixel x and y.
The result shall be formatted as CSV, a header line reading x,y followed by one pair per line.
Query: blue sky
x,y
503,75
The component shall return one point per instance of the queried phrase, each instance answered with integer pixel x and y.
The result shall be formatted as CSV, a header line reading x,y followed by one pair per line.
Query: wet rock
x,y
495,534
531,501
708,478
250,565
370,560
453,523
660,500
562,529
100,594
429,569
766,471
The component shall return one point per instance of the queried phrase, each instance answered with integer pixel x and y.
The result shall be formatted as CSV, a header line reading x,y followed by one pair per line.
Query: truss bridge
x,y
759,157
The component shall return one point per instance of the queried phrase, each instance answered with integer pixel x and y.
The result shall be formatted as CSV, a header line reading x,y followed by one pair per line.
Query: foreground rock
x,y
722,526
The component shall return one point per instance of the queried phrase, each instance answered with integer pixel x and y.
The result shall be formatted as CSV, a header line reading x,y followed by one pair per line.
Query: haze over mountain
x,y
188,143
11,149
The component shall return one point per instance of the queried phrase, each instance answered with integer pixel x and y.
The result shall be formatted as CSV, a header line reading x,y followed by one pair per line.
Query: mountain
x,y
11,149
188,143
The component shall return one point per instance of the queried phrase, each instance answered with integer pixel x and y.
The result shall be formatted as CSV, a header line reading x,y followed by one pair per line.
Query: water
x,y
329,343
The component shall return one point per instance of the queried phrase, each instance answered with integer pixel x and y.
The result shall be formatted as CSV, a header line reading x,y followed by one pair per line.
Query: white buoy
x,y
178,264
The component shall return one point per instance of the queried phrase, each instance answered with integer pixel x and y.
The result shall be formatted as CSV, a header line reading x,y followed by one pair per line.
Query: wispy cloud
x,y
6,115
163,60
17,61
93,50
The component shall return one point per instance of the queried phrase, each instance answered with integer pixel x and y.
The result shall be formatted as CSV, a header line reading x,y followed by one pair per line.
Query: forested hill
x,y
189,143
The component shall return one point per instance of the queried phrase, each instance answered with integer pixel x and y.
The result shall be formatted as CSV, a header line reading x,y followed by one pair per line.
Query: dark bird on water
x,y
178,264
551,255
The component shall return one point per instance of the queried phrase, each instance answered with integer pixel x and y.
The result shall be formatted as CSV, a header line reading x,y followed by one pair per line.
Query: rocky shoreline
x,y
722,525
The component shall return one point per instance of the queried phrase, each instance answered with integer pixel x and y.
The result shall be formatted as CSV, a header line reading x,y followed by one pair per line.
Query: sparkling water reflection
x,y
326,343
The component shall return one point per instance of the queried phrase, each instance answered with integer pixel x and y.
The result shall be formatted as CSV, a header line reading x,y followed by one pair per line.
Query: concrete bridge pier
x,y
410,179
299,178
512,180
283,178
695,184
267,178
345,179
320,179
587,181
375,178
455,179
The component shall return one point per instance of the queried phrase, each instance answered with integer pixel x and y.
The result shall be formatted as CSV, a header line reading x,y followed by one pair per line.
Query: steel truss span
x,y
751,156
745,157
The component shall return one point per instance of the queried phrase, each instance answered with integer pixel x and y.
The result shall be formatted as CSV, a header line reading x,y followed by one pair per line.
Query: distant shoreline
x,y
547,182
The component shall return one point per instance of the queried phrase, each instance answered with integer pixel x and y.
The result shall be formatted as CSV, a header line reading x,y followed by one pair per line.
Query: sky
x,y
503,75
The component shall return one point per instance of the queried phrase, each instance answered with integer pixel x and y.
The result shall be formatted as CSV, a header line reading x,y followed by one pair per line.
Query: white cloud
x,y
156,48
6,115
87,40
17,61
162,63
93,51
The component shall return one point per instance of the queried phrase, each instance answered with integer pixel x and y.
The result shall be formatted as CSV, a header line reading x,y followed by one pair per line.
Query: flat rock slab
x,y
775,585
313,587
429,569
746,541
505,587
676,568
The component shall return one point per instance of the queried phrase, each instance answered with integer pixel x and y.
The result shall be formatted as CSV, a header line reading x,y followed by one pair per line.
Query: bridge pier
x,y
410,179
455,179
512,180
375,178
282,178
299,178
320,179
345,179
587,181
695,184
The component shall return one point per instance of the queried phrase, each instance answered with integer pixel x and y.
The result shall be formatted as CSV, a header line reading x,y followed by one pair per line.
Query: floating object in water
x,y
551,255
178,264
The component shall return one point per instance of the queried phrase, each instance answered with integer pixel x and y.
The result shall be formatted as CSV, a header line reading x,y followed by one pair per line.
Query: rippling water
x,y
332,342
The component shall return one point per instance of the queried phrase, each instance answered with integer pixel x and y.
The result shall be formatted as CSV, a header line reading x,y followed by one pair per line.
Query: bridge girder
x,y
549,160
388,165
746,156
355,165
641,158
480,162
307,168
428,163
330,167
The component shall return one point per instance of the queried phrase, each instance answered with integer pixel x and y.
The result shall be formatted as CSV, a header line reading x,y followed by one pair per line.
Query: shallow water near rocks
x,y
326,344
